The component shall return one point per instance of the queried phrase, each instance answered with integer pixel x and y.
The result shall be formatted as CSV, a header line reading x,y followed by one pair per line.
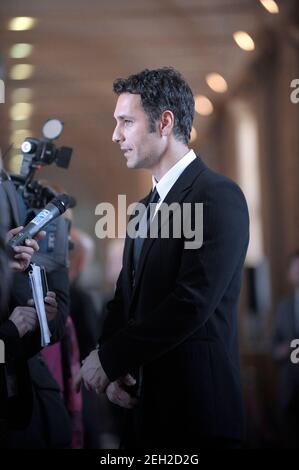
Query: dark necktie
x,y
138,241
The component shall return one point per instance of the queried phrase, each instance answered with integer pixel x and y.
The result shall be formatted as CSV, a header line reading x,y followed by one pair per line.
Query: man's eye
x,y
127,121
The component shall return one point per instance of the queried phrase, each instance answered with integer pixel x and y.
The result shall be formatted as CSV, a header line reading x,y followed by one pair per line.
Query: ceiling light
x,y
216,82
20,50
203,105
20,111
21,71
244,41
270,5
21,23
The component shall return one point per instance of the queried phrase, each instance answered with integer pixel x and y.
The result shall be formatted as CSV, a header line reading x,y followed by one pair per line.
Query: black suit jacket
x,y
178,323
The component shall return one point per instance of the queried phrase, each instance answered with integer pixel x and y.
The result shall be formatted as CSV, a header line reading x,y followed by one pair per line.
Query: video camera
x,y
31,195
36,154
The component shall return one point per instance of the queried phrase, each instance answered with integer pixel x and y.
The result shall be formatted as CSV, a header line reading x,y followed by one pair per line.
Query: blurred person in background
x,y
286,329
86,322
113,264
111,415
82,308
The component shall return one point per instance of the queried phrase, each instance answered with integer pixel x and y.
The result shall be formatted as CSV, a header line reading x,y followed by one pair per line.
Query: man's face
x,y
142,148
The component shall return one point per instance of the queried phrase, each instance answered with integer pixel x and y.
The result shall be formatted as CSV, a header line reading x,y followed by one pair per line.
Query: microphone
x,y
53,209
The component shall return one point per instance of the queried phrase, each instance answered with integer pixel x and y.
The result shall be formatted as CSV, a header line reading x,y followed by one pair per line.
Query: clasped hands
x,y
94,378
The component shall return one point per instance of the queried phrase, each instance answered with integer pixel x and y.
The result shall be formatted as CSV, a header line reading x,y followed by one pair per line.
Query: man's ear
x,y
167,123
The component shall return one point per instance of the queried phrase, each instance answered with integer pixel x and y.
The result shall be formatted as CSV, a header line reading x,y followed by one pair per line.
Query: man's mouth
x,y
126,151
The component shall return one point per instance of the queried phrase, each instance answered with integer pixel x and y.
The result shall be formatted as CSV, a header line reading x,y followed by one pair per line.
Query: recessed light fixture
x,y
271,6
21,23
20,50
216,82
244,41
21,71
20,111
203,105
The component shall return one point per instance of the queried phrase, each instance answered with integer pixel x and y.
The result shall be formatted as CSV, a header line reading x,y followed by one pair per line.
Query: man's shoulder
x,y
210,183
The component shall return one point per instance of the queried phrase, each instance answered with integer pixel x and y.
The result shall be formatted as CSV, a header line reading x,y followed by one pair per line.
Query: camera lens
x,y
28,147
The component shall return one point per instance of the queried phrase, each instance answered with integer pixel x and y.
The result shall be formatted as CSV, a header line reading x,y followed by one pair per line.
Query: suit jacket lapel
x,y
177,194
128,254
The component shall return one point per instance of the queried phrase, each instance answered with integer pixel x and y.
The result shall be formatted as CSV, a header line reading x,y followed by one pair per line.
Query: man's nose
x,y
116,136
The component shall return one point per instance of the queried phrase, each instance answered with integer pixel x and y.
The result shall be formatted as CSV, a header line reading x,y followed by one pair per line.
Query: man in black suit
x,y
169,349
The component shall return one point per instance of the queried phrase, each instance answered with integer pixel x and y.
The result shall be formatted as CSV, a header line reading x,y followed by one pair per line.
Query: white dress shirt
x,y
168,180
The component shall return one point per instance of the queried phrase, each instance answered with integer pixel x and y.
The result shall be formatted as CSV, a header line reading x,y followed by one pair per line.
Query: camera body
x,y
41,152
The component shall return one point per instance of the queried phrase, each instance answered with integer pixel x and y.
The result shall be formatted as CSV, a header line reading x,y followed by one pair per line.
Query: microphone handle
x,y
42,219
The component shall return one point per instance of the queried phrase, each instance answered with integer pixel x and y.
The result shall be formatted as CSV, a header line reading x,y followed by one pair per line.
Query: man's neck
x,y
169,159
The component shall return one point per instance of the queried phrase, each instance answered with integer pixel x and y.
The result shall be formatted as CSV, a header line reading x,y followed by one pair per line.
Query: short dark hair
x,y
160,90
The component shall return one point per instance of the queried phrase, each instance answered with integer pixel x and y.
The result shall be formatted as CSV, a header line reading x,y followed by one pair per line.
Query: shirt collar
x,y
168,180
